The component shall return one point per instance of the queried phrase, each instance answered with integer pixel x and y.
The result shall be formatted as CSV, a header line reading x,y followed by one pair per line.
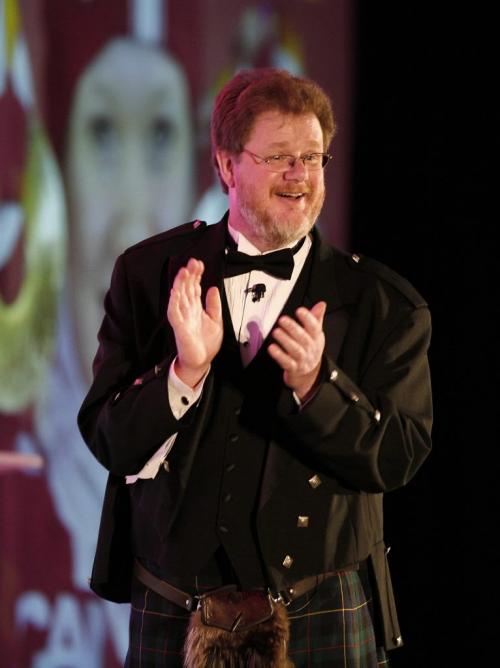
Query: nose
x,y
296,171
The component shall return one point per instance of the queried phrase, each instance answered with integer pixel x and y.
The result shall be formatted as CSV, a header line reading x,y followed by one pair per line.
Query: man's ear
x,y
225,160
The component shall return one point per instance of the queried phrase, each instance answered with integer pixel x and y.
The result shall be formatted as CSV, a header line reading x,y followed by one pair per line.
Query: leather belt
x,y
306,585
190,602
163,588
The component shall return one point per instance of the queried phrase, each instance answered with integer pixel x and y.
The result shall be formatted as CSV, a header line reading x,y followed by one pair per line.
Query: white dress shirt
x,y
253,320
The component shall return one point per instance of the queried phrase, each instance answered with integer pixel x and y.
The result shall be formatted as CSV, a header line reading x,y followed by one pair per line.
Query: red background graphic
x,y
45,618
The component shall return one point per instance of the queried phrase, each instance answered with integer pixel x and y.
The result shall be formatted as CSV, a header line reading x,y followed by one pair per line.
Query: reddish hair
x,y
252,92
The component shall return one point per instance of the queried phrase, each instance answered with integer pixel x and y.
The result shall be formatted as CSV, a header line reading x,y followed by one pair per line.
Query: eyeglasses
x,y
282,163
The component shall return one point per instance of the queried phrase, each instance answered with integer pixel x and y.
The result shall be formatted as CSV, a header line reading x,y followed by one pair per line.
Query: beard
x,y
273,231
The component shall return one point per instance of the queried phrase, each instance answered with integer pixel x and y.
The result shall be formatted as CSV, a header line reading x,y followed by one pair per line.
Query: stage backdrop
x,y
104,112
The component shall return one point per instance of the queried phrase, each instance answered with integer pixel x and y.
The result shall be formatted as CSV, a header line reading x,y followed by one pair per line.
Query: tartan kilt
x,y
330,627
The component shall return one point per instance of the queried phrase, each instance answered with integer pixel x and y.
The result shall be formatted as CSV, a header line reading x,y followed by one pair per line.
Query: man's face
x,y
273,209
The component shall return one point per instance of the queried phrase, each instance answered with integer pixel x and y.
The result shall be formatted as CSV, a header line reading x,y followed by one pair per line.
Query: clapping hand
x,y
198,331
299,348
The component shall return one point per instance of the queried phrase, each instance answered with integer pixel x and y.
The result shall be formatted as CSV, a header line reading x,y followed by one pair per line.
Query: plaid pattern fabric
x,y
330,627
157,630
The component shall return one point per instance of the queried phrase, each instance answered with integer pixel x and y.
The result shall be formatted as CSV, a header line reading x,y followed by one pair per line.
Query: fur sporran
x,y
237,630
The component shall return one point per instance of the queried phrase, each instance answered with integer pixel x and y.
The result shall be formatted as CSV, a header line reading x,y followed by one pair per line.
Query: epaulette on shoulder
x,y
383,272
188,229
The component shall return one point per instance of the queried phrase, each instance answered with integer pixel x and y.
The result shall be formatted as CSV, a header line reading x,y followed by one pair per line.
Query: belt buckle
x,y
281,597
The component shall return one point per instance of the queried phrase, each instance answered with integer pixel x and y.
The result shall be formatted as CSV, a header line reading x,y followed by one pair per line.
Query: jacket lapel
x,y
327,284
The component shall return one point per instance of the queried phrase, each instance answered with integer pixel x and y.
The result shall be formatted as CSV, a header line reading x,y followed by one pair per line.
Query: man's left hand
x,y
299,348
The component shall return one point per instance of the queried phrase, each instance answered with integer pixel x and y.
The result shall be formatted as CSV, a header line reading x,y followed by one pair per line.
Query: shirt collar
x,y
246,246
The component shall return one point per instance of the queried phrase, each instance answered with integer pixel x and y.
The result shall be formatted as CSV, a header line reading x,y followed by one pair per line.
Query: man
x,y
258,403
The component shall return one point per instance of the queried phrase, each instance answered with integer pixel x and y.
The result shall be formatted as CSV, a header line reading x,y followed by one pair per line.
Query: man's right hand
x,y
198,332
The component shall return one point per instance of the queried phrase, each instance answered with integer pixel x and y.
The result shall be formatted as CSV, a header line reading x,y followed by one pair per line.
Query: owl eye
x,y
102,130
161,131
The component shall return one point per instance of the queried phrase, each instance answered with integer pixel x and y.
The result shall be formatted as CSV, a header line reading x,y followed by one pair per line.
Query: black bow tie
x,y
278,263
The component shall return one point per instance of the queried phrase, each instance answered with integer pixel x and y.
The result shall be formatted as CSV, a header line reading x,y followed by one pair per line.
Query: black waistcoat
x,y
221,498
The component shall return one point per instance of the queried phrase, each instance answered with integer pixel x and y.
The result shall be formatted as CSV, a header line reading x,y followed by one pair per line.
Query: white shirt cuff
x,y
181,397
303,403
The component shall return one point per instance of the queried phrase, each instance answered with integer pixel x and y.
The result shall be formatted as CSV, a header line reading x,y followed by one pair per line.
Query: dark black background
x,y
425,127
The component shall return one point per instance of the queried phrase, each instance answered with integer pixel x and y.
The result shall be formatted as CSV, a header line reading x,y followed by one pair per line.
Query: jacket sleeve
x,y
126,414
374,435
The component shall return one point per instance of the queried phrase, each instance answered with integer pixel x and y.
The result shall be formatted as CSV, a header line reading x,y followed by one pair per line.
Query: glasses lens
x,y
313,160
279,163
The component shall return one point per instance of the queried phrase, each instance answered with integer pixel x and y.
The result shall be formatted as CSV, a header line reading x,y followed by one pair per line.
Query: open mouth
x,y
293,196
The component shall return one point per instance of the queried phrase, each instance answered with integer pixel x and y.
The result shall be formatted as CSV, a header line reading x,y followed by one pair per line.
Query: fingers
x,y
293,334
190,274
186,289
189,277
319,310
312,320
299,343
285,361
185,296
292,355
213,304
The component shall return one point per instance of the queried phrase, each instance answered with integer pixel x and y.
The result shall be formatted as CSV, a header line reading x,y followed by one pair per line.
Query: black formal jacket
x,y
365,432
